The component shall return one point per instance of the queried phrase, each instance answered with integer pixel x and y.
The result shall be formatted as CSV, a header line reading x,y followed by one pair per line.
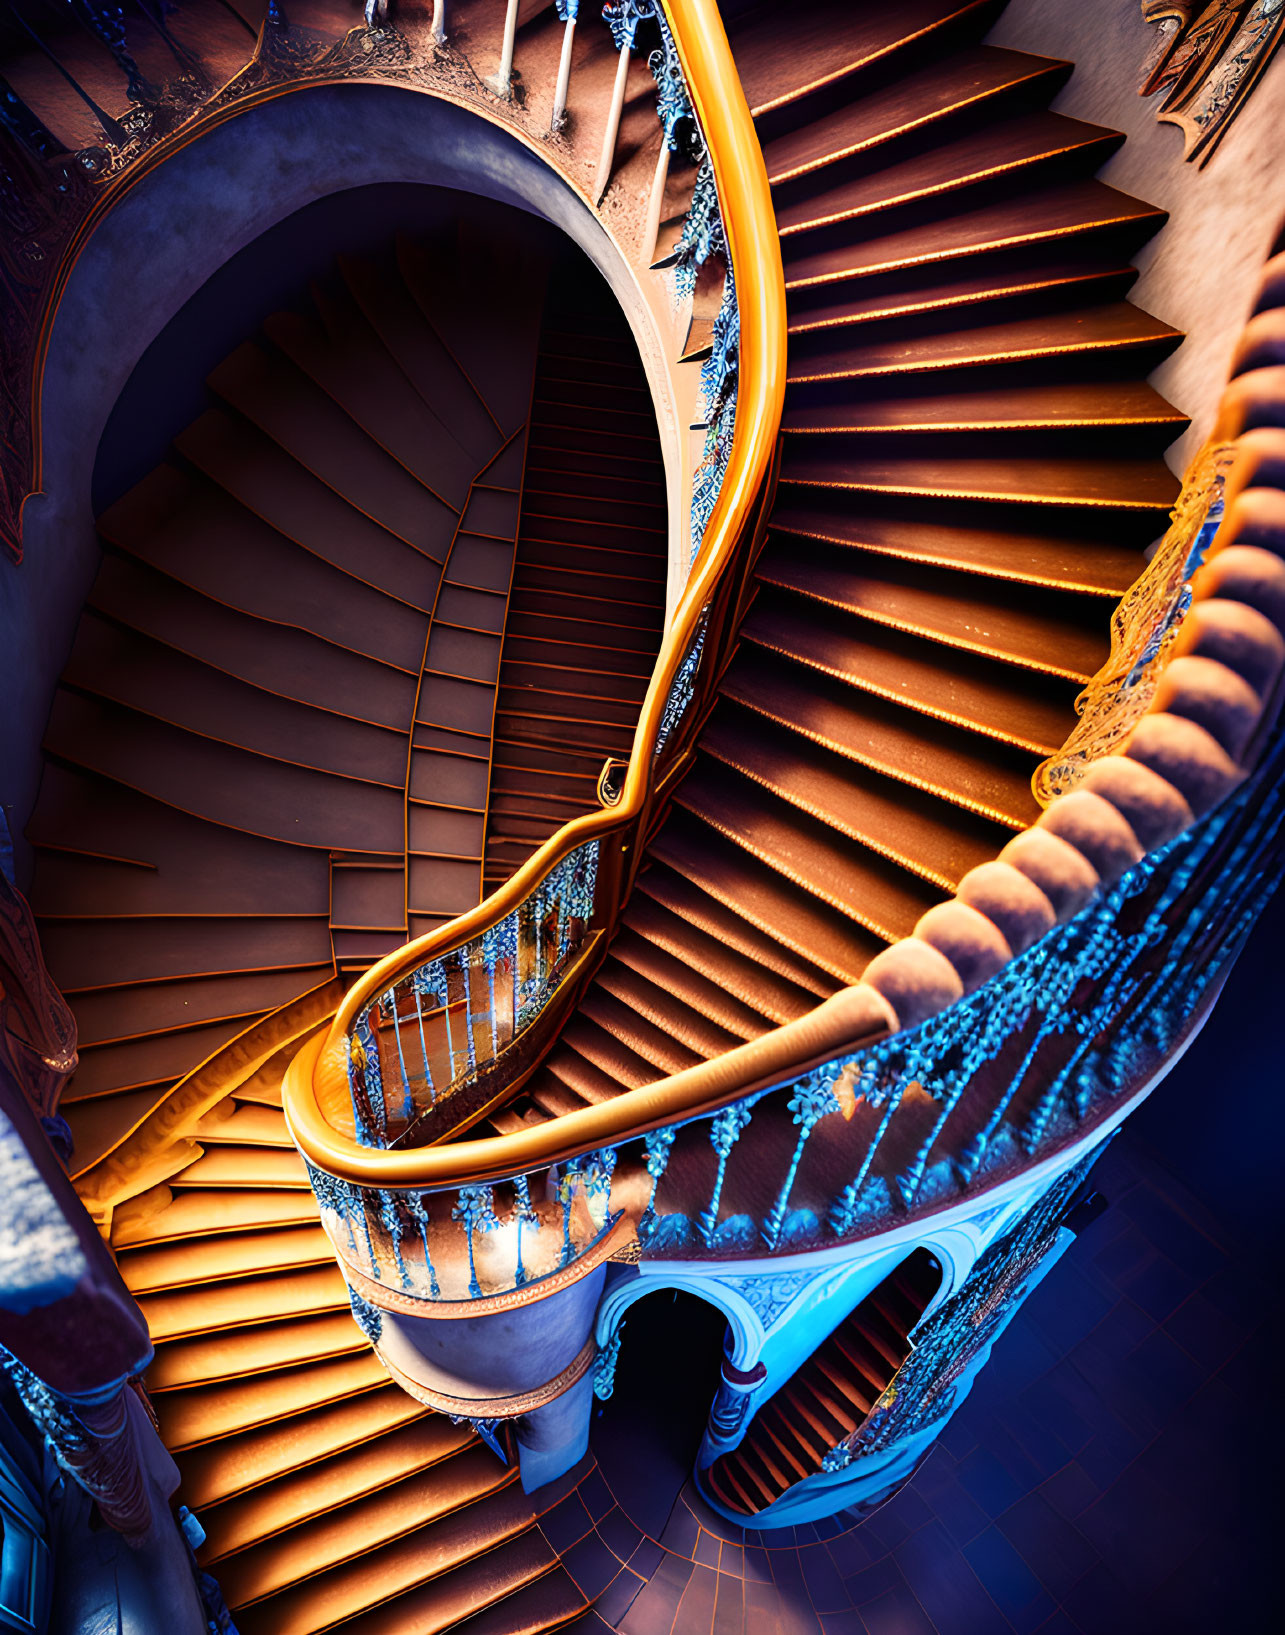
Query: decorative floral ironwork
x,y
1095,1006
682,691
625,17
604,1364
368,1318
1143,628
702,235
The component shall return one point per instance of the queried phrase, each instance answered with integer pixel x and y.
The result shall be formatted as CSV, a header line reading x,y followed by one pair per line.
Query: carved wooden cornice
x,y
1206,59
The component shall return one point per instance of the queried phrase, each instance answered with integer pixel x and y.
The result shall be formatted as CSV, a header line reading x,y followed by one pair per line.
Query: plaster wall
x,y
1197,273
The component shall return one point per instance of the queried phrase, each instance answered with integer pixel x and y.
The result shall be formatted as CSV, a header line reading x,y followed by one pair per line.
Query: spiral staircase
x,y
365,641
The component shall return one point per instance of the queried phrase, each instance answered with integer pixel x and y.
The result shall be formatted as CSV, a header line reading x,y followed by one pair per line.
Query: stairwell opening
x,y
383,528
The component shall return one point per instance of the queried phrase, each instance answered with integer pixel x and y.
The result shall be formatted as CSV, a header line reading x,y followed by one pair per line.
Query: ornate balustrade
x,y
424,1043
903,1123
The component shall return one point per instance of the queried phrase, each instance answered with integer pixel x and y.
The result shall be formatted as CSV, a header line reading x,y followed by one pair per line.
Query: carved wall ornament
x,y
1206,59
768,1296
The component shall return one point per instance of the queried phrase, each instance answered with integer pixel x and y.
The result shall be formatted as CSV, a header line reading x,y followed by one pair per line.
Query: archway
x,y
646,1435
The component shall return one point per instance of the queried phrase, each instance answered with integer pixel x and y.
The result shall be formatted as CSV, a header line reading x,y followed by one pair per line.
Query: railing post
x,y
502,84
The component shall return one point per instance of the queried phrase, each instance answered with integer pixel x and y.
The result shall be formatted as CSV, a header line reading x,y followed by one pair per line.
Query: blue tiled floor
x,y
1095,1481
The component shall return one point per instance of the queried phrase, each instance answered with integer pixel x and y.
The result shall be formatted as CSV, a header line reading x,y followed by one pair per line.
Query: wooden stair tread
x,y
1017,707
750,989
1050,214
205,1413
768,900
175,1314
234,1353
366,383
244,1166
879,896
461,1545
419,351
1022,143
256,1124
828,41
298,415
684,900
259,1516
928,754
663,1008
1002,407
546,1603
213,1257
901,823
1022,627
1093,566
1103,329
673,975
246,464
325,1541
208,1210
237,1463
938,90
1126,484
998,283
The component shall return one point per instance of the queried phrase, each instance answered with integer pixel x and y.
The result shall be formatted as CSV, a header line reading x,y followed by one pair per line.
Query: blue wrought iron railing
x,y
1015,1072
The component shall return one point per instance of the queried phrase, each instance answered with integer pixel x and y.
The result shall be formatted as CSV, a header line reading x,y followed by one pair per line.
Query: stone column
x,y
730,1413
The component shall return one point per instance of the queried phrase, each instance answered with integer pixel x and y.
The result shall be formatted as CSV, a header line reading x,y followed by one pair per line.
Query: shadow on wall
x,y
1198,272
166,391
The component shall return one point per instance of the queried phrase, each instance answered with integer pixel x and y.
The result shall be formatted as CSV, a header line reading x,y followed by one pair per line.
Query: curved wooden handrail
x,y
852,1018
749,222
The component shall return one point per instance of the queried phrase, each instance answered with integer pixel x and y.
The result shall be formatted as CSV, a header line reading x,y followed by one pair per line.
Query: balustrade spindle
x,y
502,84
568,11
475,1208
623,17
656,1144
724,1132
678,130
612,131
812,1101
418,1206
524,1213
567,1197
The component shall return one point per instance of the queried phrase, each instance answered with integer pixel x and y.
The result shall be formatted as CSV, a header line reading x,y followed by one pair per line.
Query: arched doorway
x,y
647,1434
